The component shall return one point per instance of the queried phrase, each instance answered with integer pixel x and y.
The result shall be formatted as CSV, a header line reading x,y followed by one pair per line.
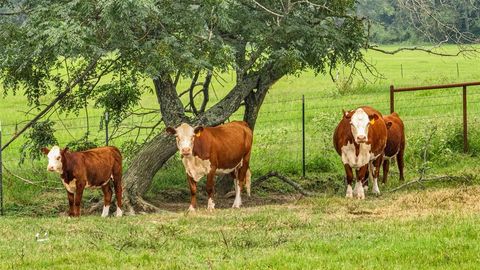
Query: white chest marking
x,y
71,187
364,156
225,171
196,167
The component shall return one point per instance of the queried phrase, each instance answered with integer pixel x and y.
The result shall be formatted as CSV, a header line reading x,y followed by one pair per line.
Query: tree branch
x,y
91,66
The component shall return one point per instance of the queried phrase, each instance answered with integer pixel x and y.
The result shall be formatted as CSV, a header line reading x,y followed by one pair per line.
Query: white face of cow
x,y
185,135
359,123
54,160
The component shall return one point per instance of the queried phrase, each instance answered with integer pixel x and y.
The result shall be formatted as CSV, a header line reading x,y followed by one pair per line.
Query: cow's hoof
x,y
119,212
235,206
191,209
365,188
349,195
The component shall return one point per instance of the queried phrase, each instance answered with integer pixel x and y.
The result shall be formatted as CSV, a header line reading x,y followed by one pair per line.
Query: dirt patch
x,y
463,200
179,200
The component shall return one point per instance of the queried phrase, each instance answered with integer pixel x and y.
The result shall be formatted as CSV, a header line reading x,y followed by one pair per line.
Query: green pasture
x,y
434,229
277,141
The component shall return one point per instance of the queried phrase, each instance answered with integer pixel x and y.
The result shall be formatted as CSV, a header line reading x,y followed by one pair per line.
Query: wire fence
x,y
285,140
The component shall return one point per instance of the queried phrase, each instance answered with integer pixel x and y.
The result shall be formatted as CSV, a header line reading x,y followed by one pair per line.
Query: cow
x,y
90,168
395,147
360,140
224,149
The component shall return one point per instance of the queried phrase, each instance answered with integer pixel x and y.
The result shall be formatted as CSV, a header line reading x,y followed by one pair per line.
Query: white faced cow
x,y
215,150
91,168
360,140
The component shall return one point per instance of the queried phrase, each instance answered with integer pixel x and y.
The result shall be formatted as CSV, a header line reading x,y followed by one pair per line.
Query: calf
x,y
91,168
215,150
395,144
360,140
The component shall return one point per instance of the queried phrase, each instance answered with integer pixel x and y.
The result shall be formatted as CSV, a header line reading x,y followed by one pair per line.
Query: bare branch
x,y
430,51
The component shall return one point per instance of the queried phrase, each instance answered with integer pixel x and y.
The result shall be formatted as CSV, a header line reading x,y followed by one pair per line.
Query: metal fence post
x,y
465,133
1,172
392,99
303,136
106,128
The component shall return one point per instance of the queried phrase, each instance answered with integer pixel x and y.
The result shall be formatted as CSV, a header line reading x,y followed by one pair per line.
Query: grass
x,y
434,227
430,229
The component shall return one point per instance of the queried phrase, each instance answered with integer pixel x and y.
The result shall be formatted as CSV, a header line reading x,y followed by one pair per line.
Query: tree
x,y
65,48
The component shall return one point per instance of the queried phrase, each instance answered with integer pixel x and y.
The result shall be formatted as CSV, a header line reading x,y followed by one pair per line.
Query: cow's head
x,y
359,123
185,135
54,158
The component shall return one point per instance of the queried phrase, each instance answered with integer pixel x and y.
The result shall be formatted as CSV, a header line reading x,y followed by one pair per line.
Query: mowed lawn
x,y
433,229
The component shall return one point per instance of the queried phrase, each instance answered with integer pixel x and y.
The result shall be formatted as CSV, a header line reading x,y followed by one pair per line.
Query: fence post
x,y
392,99
303,136
1,172
465,133
106,128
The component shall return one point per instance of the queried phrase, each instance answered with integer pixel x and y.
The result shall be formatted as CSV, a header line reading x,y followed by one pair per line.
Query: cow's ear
x,y
198,130
345,114
373,117
45,150
171,130
66,149
388,124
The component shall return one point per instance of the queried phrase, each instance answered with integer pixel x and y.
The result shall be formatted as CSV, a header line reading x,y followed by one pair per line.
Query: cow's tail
x,y
248,177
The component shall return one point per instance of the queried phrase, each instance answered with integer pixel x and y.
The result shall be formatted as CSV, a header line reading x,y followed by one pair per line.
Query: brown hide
x,y
95,166
396,134
395,144
224,145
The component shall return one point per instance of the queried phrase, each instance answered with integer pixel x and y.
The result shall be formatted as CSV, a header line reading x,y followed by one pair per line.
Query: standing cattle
x,y
91,168
215,150
395,144
360,140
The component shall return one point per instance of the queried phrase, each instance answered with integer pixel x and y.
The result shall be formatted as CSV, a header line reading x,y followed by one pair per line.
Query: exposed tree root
x,y
285,179
420,181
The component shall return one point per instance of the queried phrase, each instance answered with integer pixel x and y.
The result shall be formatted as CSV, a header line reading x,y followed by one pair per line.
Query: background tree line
x,y
422,21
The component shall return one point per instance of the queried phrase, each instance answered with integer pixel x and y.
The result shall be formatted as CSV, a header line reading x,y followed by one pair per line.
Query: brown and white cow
x,y
395,144
91,168
215,150
360,140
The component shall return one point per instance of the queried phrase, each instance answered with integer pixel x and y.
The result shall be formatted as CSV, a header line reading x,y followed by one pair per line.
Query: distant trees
x,y
432,21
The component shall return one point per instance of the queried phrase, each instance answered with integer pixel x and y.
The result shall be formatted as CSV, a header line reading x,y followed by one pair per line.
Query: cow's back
x,y
101,163
227,143
396,134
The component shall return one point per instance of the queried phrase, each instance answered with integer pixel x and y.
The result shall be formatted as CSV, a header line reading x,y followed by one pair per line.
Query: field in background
x,y
277,141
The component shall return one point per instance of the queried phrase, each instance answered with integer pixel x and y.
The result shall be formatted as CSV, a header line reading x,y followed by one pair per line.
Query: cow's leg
x,y
240,180
359,191
211,189
376,173
400,163
117,185
71,198
193,193
349,173
107,199
78,197
386,167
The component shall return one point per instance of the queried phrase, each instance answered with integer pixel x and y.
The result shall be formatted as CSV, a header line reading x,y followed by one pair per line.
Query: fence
x,y
293,135
394,90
